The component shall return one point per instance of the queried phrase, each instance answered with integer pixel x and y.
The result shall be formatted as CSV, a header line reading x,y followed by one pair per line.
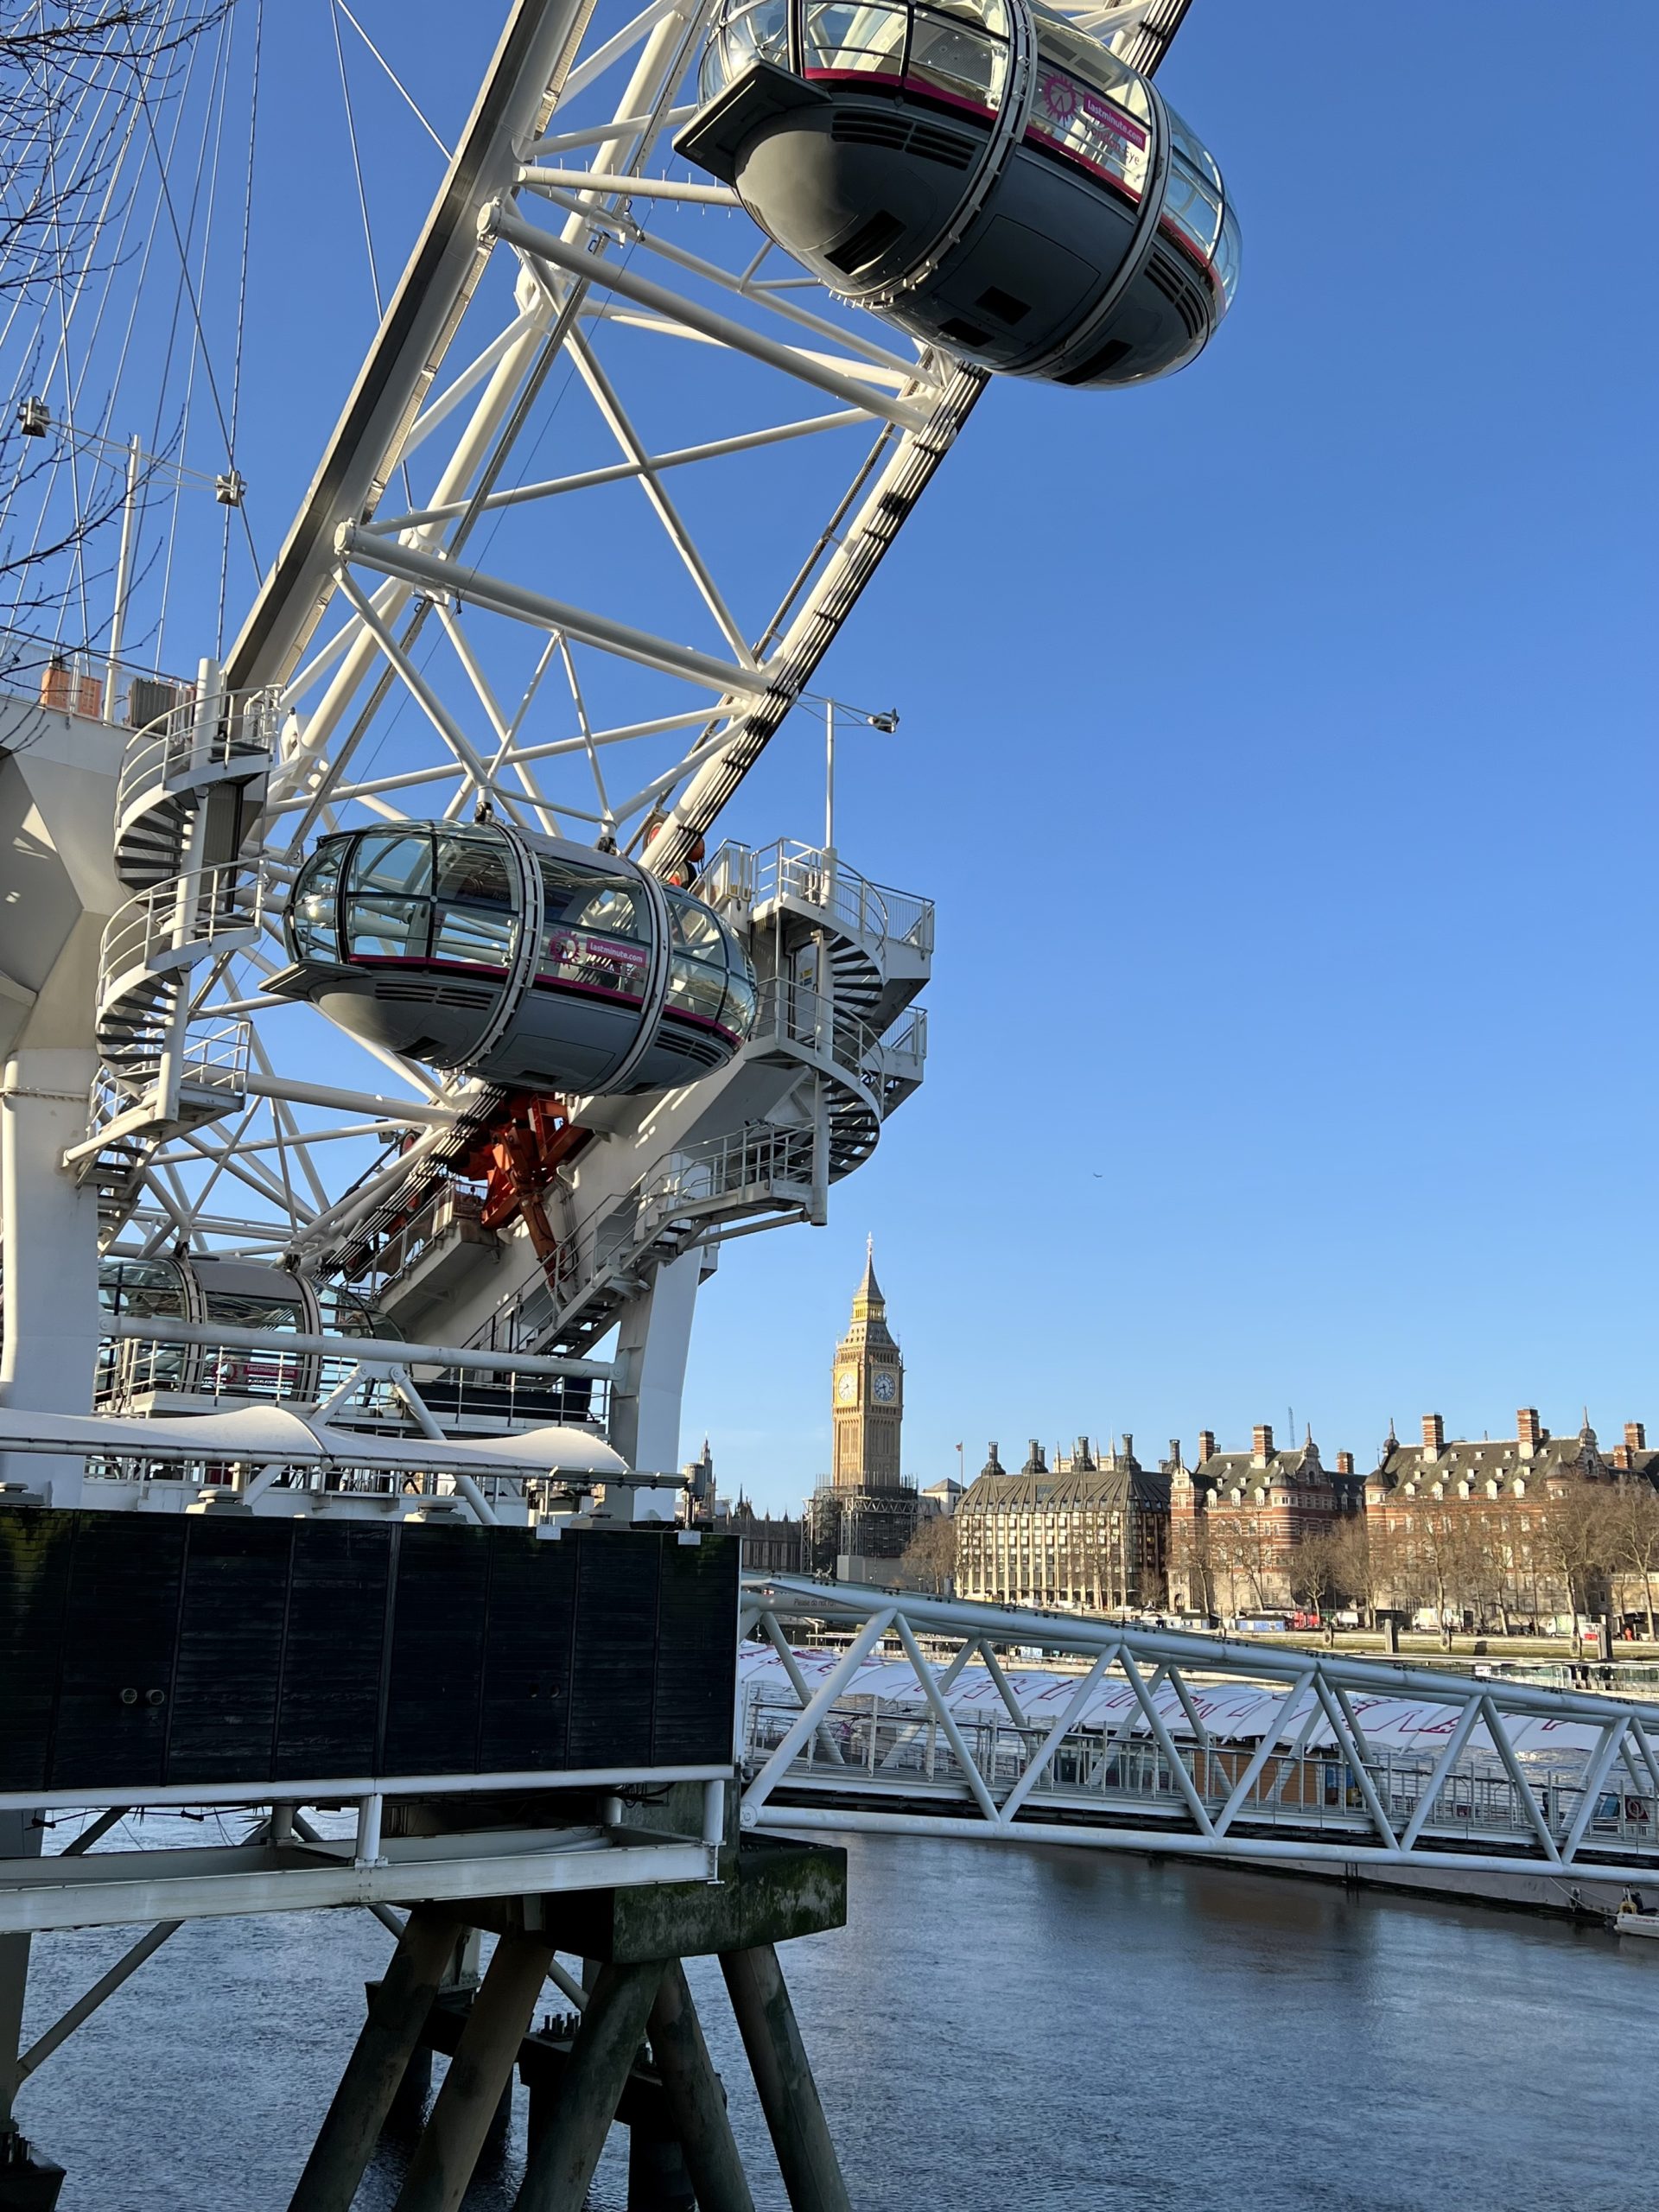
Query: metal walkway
x,y
1148,1739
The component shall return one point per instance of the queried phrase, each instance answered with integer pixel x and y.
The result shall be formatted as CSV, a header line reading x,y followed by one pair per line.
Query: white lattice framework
x,y
1143,1743
463,613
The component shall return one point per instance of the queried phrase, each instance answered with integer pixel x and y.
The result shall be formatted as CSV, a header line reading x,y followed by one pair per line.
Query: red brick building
x,y
1237,1518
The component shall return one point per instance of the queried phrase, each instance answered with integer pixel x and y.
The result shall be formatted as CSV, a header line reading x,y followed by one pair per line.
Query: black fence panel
x,y
148,1650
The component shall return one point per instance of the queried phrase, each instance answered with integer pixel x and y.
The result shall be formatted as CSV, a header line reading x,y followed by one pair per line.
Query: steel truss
x,y
638,327
1144,1770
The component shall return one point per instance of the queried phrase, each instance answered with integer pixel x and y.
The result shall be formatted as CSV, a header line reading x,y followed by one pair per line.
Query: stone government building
x,y
1230,1533
1090,1535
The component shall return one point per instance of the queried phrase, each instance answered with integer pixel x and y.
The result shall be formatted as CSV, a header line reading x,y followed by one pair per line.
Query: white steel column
x,y
52,1311
651,1348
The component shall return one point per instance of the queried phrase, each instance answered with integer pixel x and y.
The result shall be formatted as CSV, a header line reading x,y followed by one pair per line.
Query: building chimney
x,y
1084,1459
1206,1445
1433,1436
1344,1463
1262,1444
1527,1431
1128,1446
1635,1436
1035,1463
1622,1457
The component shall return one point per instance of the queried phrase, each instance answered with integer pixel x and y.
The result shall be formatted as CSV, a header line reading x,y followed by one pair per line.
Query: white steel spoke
x,y
621,471
616,420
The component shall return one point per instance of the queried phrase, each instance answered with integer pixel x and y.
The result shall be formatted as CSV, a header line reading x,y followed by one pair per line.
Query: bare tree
x,y
1631,1533
1360,1555
1192,1560
1442,1564
929,1558
1314,1568
1571,1535
56,173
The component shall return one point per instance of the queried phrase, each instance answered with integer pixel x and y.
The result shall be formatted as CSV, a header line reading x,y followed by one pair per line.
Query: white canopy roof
x,y
290,1436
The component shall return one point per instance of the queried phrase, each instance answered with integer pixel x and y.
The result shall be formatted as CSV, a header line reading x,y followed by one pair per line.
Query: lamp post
x,y
886,723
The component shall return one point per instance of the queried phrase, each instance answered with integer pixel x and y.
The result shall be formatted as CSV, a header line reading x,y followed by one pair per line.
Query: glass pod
x,y
981,173
527,960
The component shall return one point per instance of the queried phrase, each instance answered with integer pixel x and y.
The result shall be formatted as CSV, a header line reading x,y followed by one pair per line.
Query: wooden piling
x,y
397,2014
789,2095
613,2023
695,2101
481,2069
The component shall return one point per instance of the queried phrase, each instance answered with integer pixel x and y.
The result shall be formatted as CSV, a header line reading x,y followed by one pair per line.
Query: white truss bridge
x,y
919,1716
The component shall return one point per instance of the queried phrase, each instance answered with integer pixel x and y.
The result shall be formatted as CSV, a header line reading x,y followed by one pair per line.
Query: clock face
x,y
845,1386
886,1388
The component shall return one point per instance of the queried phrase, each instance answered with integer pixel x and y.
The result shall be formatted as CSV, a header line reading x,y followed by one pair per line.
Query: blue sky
x,y
1281,755
1277,744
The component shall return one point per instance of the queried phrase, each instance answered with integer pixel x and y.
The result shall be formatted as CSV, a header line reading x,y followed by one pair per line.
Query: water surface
x,y
997,2030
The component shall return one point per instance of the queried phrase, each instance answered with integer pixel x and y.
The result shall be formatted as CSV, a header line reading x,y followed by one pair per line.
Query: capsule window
x,y
1227,255
696,988
474,937
1192,207
741,1002
955,64
842,38
140,1290
990,15
392,862
696,930
1095,64
313,913
760,33
473,871
379,928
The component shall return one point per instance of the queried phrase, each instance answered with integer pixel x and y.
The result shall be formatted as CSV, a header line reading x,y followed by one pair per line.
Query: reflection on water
x,y
1045,2029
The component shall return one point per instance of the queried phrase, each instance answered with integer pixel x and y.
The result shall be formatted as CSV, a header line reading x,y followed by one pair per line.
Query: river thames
x,y
998,2029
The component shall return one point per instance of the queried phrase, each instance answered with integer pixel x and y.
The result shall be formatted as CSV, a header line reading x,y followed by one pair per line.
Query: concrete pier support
x,y
613,2023
789,2095
481,2069
696,2103
376,2068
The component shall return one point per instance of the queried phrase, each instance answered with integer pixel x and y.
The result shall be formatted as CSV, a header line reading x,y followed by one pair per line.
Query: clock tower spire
x,y
868,1386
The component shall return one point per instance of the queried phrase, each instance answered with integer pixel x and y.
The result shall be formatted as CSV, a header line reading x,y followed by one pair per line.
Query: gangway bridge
x,y
911,1715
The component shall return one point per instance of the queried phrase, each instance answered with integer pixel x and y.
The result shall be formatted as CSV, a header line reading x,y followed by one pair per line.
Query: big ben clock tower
x,y
868,1390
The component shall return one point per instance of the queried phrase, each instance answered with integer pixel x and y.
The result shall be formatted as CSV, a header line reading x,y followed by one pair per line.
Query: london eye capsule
x,y
981,173
524,960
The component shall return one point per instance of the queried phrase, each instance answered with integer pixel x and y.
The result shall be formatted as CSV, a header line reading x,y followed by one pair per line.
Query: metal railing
x,y
394,1237
751,876
910,1043
214,1063
794,1014
188,919
863,1747
860,1747
180,745
758,1165
1152,1739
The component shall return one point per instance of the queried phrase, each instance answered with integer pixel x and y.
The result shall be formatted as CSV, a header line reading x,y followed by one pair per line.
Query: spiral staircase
x,y
186,790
